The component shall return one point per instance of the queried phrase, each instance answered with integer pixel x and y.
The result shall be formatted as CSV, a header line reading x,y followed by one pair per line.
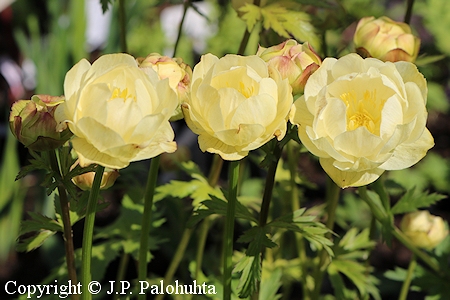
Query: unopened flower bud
x,y
85,181
294,61
32,122
178,73
423,229
386,40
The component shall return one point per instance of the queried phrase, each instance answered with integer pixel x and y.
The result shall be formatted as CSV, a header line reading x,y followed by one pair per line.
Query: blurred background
x,y
40,40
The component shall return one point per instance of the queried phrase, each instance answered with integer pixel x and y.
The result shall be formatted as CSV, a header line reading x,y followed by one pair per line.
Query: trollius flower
x,y
362,117
117,112
235,105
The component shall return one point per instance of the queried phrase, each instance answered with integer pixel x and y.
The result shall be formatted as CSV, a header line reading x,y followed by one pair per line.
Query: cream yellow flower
x,y
386,39
117,112
362,117
423,229
235,105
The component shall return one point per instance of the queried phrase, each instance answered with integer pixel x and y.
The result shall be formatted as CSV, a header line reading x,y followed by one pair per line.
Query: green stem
x,y
147,220
405,287
86,250
332,199
121,274
229,228
247,34
180,27
379,188
416,251
67,227
268,187
409,8
123,26
381,217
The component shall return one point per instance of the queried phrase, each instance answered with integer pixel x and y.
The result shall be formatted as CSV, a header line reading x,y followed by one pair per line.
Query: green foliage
x,y
313,231
125,230
352,252
412,200
437,21
250,268
282,17
218,206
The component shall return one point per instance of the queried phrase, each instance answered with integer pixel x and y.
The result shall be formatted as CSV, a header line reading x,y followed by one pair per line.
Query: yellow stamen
x,y
363,112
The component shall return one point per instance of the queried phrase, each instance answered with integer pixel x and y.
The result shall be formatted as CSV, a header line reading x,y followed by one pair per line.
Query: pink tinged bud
x,y
32,122
294,61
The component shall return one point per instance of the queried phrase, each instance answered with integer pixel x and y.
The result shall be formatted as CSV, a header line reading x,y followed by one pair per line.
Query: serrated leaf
x,y
198,190
313,231
39,222
257,239
34,242
357,273
219,206
250,266
353,240
289,23
413,200
251,14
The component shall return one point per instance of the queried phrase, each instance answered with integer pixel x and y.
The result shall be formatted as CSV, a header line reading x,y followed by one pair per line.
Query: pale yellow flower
x,y
386,39
294,61
235,105
117,112
423,229
362,117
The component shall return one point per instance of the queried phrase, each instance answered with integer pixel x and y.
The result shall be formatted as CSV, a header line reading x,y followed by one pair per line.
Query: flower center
x,y
123,94
363,111
247,92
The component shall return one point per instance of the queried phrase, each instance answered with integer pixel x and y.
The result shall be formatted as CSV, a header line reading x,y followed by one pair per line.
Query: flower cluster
x,y
360,116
